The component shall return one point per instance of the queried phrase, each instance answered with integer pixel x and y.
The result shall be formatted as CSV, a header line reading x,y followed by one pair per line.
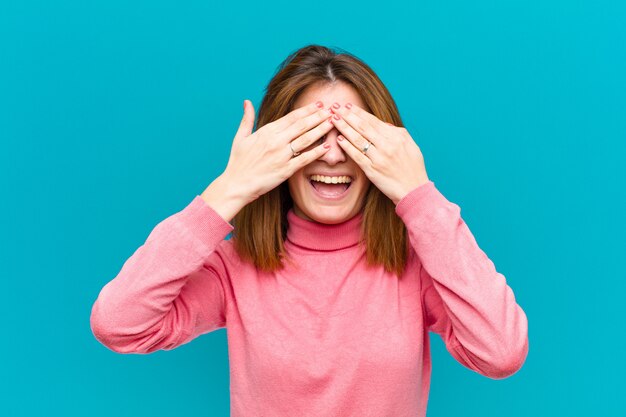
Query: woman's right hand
x,y
262,160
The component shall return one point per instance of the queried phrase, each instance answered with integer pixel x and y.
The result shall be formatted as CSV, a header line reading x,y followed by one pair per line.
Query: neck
x,y
309,234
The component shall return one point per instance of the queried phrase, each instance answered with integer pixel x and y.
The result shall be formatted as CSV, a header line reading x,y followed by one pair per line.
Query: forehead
x,y
340,92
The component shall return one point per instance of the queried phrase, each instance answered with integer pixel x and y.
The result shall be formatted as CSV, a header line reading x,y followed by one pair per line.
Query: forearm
x,y
467,301
164,291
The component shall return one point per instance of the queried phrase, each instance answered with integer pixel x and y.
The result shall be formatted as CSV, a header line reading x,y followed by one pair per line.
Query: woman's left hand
x,y
393,162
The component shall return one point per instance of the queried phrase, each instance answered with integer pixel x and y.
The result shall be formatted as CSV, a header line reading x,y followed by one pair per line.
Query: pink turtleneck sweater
x,y
330,337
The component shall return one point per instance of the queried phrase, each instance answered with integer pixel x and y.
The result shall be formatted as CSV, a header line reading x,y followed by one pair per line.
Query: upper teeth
x,y
331,180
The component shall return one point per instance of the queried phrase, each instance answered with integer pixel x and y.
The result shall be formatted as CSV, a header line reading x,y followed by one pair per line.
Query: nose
x,y
335,154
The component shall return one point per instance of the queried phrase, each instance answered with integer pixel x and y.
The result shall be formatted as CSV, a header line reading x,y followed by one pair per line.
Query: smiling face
x,y
314,200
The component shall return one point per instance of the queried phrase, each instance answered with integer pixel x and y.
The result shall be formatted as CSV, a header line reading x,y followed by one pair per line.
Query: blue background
x,y
114,115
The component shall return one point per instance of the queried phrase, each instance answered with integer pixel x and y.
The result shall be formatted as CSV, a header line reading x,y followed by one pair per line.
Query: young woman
x,y
343,257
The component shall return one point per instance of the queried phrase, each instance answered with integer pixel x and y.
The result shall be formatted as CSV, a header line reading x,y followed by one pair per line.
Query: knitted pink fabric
x,y
330,336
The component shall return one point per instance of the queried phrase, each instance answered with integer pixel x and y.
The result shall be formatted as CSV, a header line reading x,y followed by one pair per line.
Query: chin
x,y
328,215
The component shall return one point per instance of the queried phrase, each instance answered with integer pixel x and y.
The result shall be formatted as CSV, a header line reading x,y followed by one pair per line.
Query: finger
x,y
351,134
304,124
365,115
247,121
357,156
360,125
303,142
306,158
297,114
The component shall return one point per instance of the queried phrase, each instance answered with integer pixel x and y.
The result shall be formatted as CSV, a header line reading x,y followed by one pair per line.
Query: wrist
x,y
224,197
411,188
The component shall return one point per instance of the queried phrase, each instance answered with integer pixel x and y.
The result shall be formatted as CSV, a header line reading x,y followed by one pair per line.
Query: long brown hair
x,y
260,228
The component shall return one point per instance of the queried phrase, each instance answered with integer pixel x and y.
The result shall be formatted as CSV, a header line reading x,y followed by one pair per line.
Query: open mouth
x,y
330,191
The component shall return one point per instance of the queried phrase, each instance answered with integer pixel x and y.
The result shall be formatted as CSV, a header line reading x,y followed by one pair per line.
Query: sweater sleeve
x,y
465,300
170,290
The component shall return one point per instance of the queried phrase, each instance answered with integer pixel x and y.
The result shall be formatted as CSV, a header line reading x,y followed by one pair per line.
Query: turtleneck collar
x,y
324,237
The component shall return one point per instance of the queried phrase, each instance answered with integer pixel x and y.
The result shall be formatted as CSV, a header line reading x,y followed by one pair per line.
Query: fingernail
x,y
339,137
319,104
348,105
336,117
326,145
336,105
